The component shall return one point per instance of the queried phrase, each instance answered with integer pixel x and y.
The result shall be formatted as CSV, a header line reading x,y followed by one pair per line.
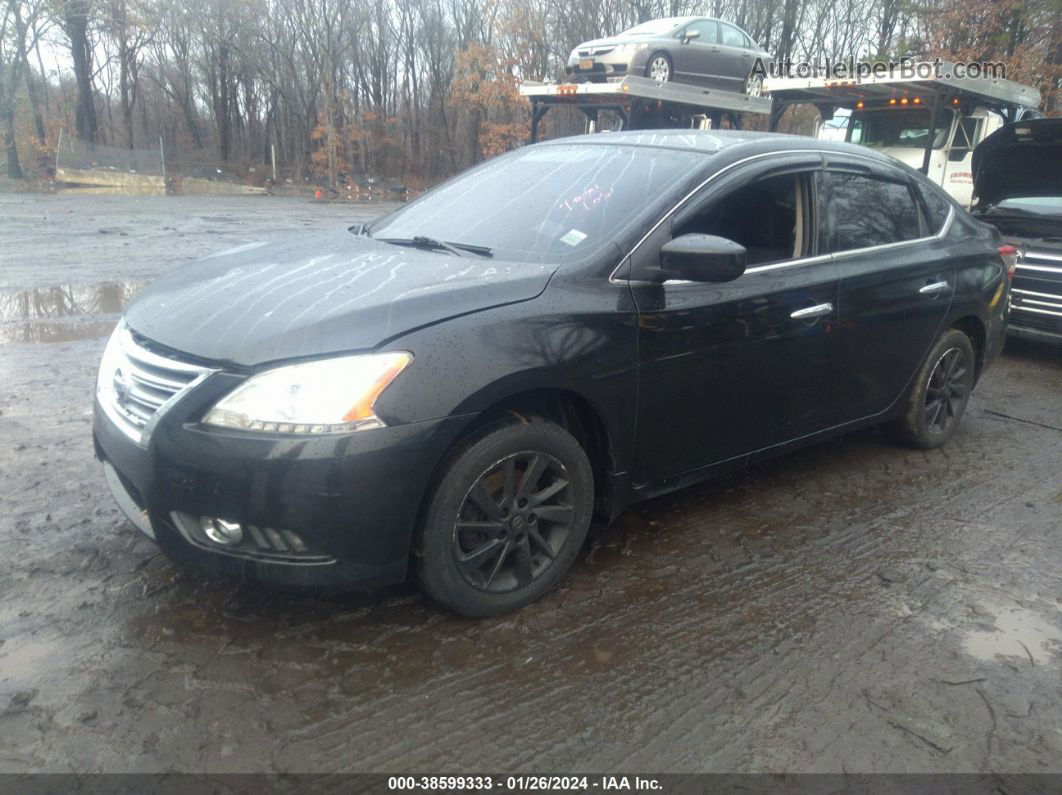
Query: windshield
x,y
546,203
895,128
655,27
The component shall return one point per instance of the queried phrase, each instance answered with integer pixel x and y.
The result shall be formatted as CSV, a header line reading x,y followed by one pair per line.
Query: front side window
x,y
706,29
859,211
547,203
767,217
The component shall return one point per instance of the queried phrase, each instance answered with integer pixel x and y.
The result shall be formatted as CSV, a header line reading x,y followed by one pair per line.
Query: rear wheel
x,y
938,397
507,519
659,67
754,85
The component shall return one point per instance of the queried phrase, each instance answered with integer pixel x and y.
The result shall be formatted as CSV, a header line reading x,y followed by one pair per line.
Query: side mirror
x,y
690,34
702,258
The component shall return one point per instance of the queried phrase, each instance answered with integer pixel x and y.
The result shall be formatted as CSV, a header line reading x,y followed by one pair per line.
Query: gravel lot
x,y
852,607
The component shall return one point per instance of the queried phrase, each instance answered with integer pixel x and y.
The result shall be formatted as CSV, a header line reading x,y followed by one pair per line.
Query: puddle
x,y
65,313
1017,632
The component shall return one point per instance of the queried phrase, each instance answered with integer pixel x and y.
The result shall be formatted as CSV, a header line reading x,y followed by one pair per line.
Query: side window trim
x,y
927,233
682,203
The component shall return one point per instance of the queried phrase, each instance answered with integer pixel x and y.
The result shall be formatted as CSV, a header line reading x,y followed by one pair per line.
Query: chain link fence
x,y
99,168
103,168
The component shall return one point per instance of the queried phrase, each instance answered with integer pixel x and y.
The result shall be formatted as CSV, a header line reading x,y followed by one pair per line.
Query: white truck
x,y
929,123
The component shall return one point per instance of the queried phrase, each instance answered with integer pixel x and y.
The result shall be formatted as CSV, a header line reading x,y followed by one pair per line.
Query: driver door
x,y
694,59
726,370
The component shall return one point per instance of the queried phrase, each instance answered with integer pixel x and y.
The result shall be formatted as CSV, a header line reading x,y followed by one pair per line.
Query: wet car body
x,y
1018,184
666,382
718,54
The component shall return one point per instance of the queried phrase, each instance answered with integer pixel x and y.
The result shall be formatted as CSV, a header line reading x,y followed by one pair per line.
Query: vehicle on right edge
x,y
1017,174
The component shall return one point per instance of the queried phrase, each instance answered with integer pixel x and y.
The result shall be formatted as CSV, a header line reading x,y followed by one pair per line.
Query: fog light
x,y
222,532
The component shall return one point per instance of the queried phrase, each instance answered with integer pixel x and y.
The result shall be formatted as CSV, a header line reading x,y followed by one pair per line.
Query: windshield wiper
x,y
431,244
483,251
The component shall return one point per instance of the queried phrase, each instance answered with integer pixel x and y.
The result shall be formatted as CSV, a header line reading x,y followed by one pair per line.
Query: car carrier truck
x,y
638,103
930,123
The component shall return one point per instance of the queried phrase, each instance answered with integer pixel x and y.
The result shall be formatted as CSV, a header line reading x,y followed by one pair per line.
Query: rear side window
x,y
732,37
937,208
862,211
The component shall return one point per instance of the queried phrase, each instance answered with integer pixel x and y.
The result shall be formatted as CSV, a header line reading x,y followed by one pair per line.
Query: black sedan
x,y
458,389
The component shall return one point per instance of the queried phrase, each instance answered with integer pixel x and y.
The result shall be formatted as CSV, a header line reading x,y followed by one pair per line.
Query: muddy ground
x,y
852,607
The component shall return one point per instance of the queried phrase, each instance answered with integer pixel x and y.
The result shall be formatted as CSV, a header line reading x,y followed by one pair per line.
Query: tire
x,y
659,67
485,546
754,86
938,396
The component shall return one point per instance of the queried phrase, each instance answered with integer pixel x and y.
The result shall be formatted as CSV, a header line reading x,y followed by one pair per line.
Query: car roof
x,y
713,142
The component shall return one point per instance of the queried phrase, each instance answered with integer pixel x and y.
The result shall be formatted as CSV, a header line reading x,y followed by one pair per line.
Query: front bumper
x,y
598,71
352,498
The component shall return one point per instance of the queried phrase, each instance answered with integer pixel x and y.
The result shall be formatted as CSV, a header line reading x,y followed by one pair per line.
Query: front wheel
x,y
938,397
659,67
506,520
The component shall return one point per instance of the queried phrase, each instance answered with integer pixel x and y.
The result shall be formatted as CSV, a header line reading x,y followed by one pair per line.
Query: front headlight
x,y
325,396
110,364
633,47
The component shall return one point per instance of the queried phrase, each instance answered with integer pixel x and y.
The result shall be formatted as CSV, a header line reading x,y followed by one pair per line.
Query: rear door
x,y
897,280
734,58
729,369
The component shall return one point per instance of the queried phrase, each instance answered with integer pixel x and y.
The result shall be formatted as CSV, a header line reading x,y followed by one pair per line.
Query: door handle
x,y
934,288
812,311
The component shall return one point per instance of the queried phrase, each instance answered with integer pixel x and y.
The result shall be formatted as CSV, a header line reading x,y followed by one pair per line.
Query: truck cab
x,y
902,131
930,123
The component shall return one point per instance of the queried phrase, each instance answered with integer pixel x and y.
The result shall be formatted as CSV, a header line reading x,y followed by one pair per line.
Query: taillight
x,y
1009,255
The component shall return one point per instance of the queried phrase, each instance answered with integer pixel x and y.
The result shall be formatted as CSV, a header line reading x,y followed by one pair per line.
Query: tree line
x,y
414,89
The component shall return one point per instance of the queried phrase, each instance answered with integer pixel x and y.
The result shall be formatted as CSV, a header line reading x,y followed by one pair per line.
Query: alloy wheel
x,y
660,69
946,391
754,86
513,522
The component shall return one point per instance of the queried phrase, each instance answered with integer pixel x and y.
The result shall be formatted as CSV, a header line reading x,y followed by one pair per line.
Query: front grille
x,y
134,382
1036,295
590,51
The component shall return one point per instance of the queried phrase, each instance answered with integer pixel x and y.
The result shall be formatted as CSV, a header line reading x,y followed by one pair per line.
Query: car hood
x,y
615,41
1019,159
320,295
